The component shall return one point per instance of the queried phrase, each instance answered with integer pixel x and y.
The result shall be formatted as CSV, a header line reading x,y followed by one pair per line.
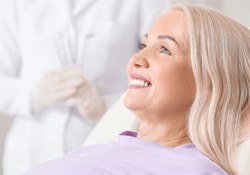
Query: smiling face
x,y
161,81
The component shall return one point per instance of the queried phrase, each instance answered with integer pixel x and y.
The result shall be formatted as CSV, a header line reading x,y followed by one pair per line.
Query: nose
x,y
139,60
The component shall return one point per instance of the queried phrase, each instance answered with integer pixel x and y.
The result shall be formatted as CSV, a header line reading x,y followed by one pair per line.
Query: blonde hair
x,y
220,59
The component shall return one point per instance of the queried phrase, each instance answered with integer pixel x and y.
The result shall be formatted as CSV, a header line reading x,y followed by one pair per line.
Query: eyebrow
x,y
164,37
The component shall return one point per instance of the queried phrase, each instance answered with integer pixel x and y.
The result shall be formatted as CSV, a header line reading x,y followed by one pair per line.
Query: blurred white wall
x,y
5,123
237,9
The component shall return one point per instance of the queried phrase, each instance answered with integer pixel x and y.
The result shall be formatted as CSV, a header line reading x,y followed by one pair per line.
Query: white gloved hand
x,y
88,102
56,86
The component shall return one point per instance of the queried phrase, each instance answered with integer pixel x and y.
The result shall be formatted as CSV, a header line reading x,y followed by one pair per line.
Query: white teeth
x,y
138,82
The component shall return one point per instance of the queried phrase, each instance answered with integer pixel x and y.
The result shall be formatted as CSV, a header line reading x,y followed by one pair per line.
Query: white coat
x,y
41,35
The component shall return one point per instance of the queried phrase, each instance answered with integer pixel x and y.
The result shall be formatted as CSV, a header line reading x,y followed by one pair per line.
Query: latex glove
x,y
56,86
88,102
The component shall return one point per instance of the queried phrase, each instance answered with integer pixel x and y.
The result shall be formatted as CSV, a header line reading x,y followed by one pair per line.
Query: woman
x,y
189,86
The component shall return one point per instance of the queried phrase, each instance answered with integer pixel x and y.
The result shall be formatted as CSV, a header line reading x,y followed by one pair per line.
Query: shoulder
x,y
206,167
203,165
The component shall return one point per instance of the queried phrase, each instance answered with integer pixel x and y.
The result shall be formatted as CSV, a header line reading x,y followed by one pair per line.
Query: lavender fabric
x,y
131,156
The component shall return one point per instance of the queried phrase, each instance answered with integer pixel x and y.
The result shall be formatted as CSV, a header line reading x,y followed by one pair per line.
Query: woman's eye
x,y
164,50
141,46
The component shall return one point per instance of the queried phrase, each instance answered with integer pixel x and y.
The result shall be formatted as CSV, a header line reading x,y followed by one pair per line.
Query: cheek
x,y
176,86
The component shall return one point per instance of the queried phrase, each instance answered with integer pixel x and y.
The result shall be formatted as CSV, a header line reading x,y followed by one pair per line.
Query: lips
x,y
138,81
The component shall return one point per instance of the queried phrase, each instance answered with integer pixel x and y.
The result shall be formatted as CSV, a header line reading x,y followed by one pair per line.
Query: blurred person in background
x,y
62,65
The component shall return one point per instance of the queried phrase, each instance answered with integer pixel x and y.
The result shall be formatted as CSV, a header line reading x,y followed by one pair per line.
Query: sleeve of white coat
x,y
150,9
14,93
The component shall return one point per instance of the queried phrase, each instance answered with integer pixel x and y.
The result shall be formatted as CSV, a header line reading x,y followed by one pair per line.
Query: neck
x,y
170,134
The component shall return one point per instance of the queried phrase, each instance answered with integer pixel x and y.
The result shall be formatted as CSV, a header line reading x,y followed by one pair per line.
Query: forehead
x,y
171,23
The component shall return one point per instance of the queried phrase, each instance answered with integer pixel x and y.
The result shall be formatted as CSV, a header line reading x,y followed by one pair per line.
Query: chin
x,y
127,101
130,102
